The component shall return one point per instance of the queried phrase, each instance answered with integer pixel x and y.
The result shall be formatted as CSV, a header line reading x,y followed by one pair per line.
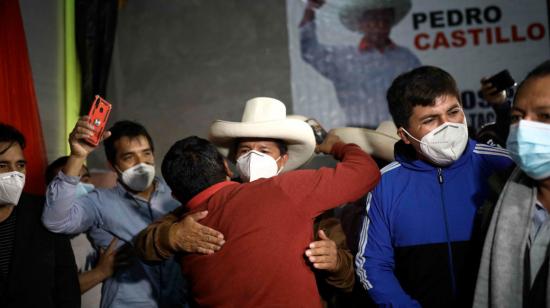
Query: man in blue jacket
x,y
415,247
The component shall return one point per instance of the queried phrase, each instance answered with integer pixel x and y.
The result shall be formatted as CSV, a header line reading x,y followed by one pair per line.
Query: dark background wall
x,y
177,65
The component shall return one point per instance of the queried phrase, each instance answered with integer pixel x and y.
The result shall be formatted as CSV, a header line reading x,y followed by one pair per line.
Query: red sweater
x,y
268,225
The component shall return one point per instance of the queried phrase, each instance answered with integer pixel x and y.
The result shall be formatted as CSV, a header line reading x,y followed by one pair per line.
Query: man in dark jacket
x,y
37,267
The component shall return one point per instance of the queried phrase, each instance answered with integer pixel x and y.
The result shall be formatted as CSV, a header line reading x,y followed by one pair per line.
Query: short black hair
x,y
421,86
192,165
10,135
542,70
54,167
124,129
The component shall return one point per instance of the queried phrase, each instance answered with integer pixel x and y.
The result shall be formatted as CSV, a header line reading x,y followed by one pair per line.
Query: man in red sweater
x,y
267,223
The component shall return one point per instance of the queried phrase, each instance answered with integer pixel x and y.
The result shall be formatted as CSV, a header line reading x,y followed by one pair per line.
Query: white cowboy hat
x,y
350,13
265,117
379,143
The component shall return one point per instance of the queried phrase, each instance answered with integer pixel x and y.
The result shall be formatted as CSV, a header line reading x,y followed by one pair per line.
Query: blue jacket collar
x,y
407,156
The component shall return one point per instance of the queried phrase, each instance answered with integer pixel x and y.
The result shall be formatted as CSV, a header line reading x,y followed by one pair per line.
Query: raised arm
x,y
319,190
319,56
64,211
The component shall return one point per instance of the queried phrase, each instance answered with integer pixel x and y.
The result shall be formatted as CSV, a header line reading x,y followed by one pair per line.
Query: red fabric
x,y
268,225
18,105
205,194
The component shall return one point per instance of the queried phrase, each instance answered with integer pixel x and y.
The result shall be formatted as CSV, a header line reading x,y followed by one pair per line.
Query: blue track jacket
x,y
415,247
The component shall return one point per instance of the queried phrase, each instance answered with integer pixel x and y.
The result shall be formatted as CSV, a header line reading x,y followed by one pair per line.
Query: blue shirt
x,y
360,78
122,215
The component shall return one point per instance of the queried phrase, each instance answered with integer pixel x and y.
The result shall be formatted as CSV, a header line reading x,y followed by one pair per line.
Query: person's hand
x,y
326,146
190,236
309,12
315,4
82,130
323,254
490,94
106,262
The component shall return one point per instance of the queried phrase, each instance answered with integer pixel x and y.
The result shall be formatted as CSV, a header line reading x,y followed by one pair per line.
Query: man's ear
x,y
284,159
403,135
228,171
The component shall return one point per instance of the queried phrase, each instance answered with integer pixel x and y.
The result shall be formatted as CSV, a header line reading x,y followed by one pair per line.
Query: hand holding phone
x,y
98,117
501,81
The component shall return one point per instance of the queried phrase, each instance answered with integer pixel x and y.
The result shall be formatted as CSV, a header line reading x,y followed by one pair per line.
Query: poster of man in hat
x,y
360,74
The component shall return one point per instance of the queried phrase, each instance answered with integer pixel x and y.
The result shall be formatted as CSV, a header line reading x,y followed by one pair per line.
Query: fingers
x,y
207,247
323,259
204,229
106,134
211,232
82,129
324,265
112,245
321,249
322,234
205,251
198,215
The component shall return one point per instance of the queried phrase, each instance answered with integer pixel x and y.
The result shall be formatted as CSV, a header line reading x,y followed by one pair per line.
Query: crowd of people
x,y
454,220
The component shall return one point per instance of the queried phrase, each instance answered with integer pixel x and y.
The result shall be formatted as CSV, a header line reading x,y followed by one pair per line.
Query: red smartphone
x,y
98,116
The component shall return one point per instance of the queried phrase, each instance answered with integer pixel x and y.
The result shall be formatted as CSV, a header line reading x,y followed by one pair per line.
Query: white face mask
x,y
11,186
139,177
83,188
254,165
445,144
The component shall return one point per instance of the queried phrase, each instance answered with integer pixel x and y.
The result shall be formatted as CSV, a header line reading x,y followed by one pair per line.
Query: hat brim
x,y
378,144
297,135
351,14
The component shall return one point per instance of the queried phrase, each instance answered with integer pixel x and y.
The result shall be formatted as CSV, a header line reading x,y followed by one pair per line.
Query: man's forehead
x,y
441,104
257,141
137,143
11,151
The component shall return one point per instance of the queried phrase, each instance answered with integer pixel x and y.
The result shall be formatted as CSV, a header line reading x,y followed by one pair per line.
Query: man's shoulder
x,y
392,178
492,157
30,203
391,172
490,151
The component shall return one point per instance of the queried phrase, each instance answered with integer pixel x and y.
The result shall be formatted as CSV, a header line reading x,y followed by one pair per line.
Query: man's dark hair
x,y
419,87
192,165
54,167
10,135
121,129
542,70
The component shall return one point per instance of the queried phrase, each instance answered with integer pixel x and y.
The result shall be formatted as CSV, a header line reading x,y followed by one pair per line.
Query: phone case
x,y
502,81
99,114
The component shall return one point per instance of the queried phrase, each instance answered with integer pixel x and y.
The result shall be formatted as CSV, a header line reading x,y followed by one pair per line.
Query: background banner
x,y
340,82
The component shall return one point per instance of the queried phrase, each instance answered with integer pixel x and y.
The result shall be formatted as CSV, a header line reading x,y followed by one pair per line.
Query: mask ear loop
x,y
408,134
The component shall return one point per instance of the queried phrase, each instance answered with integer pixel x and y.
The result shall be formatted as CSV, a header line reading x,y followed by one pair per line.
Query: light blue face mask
x,y
529,146
83,188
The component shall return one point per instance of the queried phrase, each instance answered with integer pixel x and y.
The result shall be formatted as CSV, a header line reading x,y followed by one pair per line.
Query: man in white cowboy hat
x,y
268,221
264,136
360,75
276,137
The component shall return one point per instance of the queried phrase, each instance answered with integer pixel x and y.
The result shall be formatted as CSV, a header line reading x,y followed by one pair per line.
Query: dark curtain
x,y
95,24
